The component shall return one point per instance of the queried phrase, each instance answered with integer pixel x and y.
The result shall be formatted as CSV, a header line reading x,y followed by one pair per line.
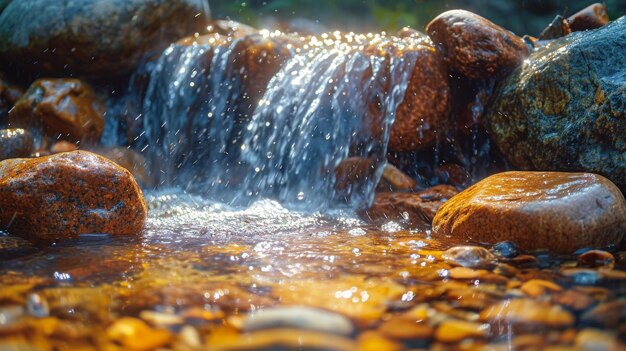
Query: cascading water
x,y
333,99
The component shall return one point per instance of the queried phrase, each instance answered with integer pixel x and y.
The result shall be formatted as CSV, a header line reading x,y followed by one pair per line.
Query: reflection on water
x,y
202,268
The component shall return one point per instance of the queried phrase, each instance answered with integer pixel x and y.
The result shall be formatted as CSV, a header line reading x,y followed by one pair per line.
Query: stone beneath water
x,y
558,211
564,108
96,38
60,108
298,317
67,194
15,143
413,208
475,46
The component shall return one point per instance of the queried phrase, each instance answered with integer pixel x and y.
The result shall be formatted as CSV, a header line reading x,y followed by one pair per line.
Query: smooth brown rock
x,y
395,179
558,211
65,108
559,27
527,312
475,46
452,331
413,208
15,143
63,146
67,194
596,259
591,17
423,116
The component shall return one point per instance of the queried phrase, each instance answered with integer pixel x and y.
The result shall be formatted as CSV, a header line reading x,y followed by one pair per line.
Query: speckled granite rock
x,y
96,38
15,143
66,194
60,108
475,46
564,109
559,211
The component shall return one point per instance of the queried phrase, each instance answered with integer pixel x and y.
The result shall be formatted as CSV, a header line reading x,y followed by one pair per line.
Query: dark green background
x,y
521,16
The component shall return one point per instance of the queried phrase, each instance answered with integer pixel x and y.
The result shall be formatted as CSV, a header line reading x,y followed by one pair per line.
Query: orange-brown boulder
x,y
475,46
412,208
423,116
15,143
63,108
559,211
67,194
591,17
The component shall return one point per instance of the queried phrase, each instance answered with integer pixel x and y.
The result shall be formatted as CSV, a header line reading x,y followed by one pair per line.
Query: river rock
x,y
15,143
298,317
591,17
413,208
95,38
563,108
423,116
67,194
558,211
474,46
61,108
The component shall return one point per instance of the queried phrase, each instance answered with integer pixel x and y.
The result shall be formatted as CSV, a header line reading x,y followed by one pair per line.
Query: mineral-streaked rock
x,y
67,194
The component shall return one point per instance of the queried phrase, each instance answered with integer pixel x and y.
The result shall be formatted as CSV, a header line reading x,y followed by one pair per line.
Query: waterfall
x,y
333,99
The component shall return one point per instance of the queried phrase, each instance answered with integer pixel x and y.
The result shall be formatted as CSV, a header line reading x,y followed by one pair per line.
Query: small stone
x,y
538,287
608,314
63,146
469,256
582,276
573,300
527,312
394,179
559,27
281,339
558,211
596,259
475,46
597,340
506,249
137,335
414,208
591,17
67,194
374,341
15,143
405,329
190,336
64,108
299,318
453,330
160,319
37,306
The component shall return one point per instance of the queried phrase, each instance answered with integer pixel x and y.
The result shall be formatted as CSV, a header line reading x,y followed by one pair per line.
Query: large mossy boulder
x,y
564,109
95,38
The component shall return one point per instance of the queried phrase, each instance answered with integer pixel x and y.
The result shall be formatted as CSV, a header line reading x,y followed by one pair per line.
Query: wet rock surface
x,y
98,38
423,116
60,108
563,109
591,17
475,46
413,208
562,212
15,143
67,194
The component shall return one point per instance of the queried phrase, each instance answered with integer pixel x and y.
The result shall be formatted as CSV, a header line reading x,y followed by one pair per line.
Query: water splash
x,y
331,100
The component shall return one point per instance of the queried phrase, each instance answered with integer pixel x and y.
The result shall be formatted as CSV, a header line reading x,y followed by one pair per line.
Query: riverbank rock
x,y
15,143
413,208
475,46
564,108
66,194
61,108
591,17
95,38
558,211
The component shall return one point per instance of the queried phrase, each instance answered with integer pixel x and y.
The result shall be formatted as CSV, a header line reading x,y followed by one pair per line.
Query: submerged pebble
x,y
299,317
469,256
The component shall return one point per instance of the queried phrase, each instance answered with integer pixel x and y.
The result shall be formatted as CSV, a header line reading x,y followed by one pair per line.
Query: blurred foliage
x,y
520,16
